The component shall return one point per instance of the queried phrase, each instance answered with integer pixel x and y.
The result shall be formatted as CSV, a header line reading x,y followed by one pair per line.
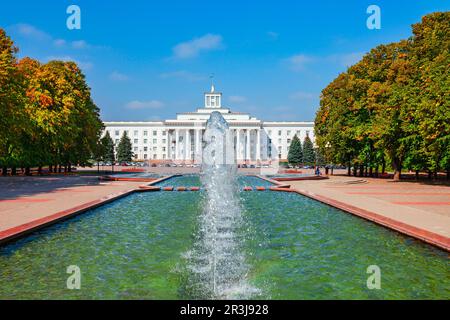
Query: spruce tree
x,y
124,149
308,152
108,148
295,151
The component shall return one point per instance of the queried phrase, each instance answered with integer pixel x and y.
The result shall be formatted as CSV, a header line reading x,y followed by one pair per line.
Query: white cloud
x,y
182,74
301,95
273,35
152,104
299,61
192,48
80,44
237,99
29,31
346,59
59,42
117,76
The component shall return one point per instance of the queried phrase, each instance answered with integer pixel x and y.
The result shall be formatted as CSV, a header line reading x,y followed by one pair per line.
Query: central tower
x,y
213,99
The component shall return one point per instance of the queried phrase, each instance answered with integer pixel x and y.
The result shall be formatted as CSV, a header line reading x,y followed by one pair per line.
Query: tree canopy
x,y
393,105
48,116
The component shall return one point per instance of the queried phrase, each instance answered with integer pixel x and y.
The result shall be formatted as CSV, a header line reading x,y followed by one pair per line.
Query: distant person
x,y
317,171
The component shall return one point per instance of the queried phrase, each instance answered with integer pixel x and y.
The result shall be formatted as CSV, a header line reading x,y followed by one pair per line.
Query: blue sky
x,y
148,60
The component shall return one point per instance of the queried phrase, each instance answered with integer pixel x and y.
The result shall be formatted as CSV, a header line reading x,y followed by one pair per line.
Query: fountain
x,y
217,265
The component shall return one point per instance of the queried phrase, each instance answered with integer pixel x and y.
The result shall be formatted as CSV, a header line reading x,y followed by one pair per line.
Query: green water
x,y
296,248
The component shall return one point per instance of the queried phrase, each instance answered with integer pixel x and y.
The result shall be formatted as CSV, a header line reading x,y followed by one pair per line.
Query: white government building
x,y
180,140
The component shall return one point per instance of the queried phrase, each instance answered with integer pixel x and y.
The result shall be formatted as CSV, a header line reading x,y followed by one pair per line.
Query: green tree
x,y
124,149
308,152
295,154
107,148
12,120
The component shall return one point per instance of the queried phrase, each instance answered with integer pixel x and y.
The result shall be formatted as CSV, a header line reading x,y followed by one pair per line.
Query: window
x,y
279,132
145,133
298,133
270,132
164,156
279,149
279,141
288,141
117,133
155,148
145,156
155,141
135,149
213,101
289,132
117,141
163,140
135,133
208,101
164,133
145,141
155,133
154,156
164,149
135,140
145,149
127,132
307,133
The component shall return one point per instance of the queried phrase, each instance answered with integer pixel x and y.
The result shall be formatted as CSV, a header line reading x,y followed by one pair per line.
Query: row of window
x,y
136,133
155,132
288,132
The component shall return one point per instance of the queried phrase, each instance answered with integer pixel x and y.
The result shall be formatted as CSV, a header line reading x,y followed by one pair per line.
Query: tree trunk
x,y
448,174
397,169
4,171
383,167
429,174
376,171
70,167
50,168
435,175
40,170
361,170
13,171
28,171
371,171
417,174
349,169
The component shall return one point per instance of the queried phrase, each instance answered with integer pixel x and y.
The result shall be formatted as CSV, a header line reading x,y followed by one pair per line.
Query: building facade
x,y
180,140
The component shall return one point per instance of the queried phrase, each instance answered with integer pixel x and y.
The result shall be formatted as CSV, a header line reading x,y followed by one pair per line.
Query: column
x,y
238,144
247,156
197,146
168,144
187,146
258,144
177,139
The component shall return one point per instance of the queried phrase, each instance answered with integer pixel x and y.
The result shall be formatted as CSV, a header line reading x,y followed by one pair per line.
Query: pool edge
x,y
24,229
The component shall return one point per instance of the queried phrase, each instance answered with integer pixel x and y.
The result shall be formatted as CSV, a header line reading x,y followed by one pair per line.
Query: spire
x,y
212,82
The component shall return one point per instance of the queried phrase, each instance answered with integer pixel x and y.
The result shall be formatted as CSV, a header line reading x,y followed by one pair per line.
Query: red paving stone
x,y
403,193
421,203
25,200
